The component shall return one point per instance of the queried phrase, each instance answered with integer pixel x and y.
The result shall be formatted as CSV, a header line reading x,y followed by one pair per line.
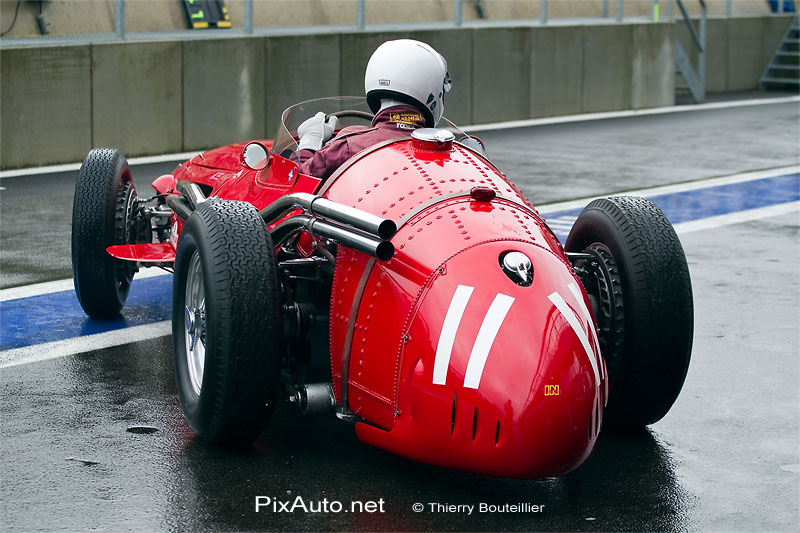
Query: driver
x,y
405,84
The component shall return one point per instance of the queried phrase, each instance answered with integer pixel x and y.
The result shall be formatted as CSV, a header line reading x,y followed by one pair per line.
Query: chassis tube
x,y
179,206
192,192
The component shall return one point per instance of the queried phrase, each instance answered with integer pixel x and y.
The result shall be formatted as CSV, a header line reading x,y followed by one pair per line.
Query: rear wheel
x,y
103,214
226,324
639,281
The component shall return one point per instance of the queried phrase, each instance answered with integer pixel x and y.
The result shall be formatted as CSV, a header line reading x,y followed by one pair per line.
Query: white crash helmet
x,y
409,71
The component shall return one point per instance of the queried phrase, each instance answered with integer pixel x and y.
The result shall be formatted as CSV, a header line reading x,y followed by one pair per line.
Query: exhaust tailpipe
x,y
319,206
348,226
370,245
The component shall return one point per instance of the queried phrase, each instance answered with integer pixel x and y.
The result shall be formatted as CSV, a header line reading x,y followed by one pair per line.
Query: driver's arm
x,y
314,163
313,133
316,131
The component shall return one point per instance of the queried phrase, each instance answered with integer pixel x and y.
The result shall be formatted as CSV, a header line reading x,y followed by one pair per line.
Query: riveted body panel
x,y
493,398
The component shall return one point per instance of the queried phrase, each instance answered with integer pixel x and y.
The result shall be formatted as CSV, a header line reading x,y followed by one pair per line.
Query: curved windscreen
x,y
292,117
286,137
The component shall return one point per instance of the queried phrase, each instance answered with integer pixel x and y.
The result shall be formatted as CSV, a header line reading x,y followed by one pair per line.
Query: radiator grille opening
x,y
597,417
453,415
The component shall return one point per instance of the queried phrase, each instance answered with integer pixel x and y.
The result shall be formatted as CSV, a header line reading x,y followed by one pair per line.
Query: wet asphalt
x,y
97,440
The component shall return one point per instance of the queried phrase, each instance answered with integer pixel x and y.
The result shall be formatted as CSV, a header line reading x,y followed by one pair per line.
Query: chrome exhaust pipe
x,y
383,228
383,250
348,226
370,245
318,206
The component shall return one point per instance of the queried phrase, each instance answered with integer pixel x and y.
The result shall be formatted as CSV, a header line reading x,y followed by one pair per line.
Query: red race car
x,y
415,293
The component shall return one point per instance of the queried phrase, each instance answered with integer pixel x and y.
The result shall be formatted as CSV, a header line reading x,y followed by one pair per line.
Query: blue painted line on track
x,y
58,316
709,202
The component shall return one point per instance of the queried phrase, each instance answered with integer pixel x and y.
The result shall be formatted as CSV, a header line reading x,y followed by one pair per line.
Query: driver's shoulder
x,y
348,133
352,129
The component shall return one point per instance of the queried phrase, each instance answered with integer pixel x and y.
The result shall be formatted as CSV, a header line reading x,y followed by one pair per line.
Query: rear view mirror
x,y
255,156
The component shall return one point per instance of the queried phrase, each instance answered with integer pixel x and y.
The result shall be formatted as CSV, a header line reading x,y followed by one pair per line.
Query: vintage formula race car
x,y
415,293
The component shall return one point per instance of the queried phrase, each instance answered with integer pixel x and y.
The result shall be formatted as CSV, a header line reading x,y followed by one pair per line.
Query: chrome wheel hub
x,y
195,323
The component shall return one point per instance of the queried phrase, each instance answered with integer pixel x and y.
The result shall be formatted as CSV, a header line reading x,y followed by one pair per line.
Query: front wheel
x,y
104,213
226,324
639,281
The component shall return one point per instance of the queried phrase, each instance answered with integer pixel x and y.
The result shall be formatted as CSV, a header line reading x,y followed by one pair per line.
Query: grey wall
x,y
136,91
45,105
171,96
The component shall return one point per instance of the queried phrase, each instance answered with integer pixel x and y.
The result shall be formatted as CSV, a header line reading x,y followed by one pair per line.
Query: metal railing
x,y
478,11
695,79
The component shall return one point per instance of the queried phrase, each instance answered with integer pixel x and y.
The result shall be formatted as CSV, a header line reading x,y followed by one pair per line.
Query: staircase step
x,y
794,81
784,67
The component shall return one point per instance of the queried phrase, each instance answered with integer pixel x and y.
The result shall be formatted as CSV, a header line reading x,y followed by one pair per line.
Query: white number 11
x,y
483,343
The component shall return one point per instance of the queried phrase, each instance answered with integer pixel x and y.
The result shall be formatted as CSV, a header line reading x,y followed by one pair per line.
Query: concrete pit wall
x,y
157,97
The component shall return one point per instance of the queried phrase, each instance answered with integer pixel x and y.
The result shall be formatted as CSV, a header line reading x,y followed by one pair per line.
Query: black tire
x,y
648,357
105,201
238,322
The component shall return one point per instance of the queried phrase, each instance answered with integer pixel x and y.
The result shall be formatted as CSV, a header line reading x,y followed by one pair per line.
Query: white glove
x,y
316,131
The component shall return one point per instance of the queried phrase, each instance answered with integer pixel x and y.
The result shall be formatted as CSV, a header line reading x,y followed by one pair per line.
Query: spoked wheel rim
x,y
125,232
195,323
603,283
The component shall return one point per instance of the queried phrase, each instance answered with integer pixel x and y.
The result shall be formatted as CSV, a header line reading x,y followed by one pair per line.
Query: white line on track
x,y
70,167
737,218
678,187
626,114
76,345
27,291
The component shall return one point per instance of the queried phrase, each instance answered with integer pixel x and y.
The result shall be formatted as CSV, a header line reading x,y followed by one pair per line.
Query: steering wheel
x,y
352,113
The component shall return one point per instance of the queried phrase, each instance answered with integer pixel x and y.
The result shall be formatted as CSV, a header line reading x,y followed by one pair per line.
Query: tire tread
x,y
94,223
244,325
658,302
